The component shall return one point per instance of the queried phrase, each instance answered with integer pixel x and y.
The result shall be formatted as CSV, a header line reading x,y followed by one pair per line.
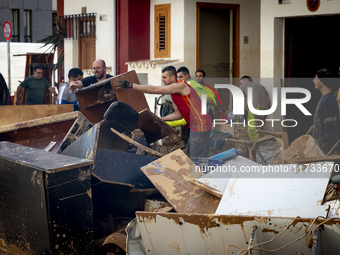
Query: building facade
x,y
277,42
31,20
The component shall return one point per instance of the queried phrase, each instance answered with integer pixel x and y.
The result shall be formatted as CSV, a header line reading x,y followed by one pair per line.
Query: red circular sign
x,y
7,29
313,5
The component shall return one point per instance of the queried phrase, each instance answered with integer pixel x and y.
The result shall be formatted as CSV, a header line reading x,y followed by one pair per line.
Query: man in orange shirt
x,y
187,105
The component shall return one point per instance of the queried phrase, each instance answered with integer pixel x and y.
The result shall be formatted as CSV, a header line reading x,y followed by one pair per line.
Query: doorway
x,y
311,43
87,53
87,42
218,45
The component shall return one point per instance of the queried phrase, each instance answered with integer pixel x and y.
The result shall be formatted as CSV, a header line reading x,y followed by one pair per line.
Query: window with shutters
x,y
162,31
27,25
16,26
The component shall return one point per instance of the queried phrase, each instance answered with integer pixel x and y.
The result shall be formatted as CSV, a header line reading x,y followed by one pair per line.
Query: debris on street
x,y
115,178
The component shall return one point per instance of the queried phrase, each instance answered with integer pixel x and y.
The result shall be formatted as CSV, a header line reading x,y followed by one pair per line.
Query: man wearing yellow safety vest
x,y
184,75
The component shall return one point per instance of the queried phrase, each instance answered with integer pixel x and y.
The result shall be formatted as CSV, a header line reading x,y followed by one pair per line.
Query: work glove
x,y
117,84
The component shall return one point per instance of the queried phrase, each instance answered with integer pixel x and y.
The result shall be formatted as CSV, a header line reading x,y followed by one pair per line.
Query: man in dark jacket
x,y
326,118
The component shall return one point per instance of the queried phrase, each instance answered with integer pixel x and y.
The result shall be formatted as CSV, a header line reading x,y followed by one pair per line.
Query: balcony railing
x,y
79,25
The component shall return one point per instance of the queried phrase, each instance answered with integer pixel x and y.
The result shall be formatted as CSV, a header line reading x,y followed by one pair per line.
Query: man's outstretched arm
x,y
76,85
175,88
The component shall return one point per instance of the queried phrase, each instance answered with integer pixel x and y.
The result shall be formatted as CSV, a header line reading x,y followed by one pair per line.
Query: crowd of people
x,y
186,95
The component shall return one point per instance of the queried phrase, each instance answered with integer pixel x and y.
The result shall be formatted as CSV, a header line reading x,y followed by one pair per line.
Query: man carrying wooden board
x,y
187,105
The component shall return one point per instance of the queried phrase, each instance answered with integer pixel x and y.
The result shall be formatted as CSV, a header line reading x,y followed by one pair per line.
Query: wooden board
x,y
11,114
93,104
138,145
39,133
171,176
132,97
154,128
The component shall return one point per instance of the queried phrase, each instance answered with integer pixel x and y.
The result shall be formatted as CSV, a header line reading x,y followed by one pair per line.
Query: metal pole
x,y
9,67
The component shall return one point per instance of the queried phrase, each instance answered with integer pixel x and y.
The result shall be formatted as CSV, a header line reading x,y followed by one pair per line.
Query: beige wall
x,y
183,33
183,39
105,32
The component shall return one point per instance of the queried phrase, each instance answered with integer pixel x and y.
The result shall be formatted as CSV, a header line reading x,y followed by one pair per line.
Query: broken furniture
x,y
115,172
60,129
267,149
12,114
46,205
171,176
118,187
95,99
154,128
256,210
122,113
303,147
305,150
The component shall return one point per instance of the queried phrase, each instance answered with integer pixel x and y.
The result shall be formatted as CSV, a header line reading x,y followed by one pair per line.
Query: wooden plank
x,y
277,134
39,122
317,158
132,97
93,107
334,147
245,142
128,139
310,130
40,132
154,128
208,188
171,176
10,114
